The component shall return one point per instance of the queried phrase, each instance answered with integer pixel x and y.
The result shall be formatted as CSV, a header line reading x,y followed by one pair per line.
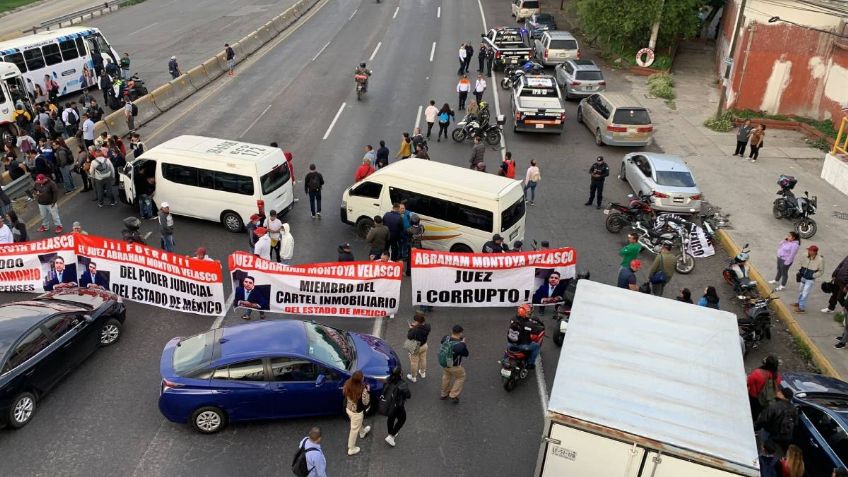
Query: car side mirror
x,y
320,380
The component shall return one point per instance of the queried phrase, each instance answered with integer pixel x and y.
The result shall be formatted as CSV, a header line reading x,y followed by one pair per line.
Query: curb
x,y
780,309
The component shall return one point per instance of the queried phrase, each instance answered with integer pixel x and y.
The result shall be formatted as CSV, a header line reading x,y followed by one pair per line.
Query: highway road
x,y
298,91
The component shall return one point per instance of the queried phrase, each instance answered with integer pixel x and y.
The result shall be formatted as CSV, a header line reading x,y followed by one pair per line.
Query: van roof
x,y
200,147
622,100
438,174
42,36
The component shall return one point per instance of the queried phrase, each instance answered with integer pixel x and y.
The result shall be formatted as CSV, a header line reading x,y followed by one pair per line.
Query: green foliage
x,y
628,23
825,127
661,85
803,350
6,5
723,123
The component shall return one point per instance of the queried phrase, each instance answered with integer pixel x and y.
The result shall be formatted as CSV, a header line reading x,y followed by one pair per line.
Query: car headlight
x,y
344,204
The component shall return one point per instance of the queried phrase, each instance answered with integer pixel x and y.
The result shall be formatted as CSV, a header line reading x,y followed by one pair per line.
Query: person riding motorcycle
x,y
522,329
361,75
740,267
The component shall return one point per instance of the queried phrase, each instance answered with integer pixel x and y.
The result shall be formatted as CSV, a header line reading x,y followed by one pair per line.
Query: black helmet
x,y
132,223
362,65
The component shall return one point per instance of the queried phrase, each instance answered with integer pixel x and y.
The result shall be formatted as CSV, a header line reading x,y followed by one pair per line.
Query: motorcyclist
x,y
740,267
361,70
522,329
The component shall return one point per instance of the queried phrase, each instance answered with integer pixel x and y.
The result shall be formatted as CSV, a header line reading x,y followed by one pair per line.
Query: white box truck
x,y
647,387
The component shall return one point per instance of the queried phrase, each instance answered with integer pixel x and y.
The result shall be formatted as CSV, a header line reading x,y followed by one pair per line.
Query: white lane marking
x,y
432,51
540,382
336,118
255,121
396,12
439,12
227,305
352,14
482,15
320,51
418,116
143,28
376,49
378,327
494,84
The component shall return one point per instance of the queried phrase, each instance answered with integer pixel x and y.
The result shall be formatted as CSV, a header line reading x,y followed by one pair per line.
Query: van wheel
x,y
461,248
363,226
232,221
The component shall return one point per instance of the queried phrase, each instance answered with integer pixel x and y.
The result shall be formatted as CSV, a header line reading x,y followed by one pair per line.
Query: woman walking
x,y
418,332
445,115
812,267
756,140
357,397
397,392
531,180
710,298
786,252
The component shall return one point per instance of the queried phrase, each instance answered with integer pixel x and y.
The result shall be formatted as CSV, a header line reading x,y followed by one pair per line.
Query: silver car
x,y
666,177
578,78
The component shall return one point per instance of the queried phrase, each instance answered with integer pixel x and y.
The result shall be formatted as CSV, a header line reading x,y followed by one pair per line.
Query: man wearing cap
x,y
345,253
251,227
495,245
262,247
627,276
812,267
599,172
453,375
166,227
46,194
173,67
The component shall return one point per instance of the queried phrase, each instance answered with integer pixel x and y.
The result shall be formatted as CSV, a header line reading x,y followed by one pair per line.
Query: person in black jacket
x,y
599,172
840,281
382,155
453,376
469,52
496,245
312,184
779,419
345,254
418,331
521,331
394,221
396,417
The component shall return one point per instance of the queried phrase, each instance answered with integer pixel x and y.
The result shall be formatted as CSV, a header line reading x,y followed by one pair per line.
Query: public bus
x,y
67,56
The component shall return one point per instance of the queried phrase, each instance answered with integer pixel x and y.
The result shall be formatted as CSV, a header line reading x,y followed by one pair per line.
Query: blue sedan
x,y
822,431
266,370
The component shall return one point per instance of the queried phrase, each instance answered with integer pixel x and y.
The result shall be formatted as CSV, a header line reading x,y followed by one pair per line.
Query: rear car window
x,y
191,353
633,116
563,45
675,179
530,4
509,39
275,179
589,75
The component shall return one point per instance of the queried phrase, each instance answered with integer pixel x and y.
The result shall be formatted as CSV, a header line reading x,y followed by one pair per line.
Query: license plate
x,y
540,126
590,88
506,373
513,61
606,211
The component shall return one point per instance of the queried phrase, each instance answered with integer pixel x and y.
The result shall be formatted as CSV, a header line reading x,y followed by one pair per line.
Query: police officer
x,y
496,245
599,172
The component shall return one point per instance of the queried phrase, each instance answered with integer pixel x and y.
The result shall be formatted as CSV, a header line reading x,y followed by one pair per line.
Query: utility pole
x,y
740,17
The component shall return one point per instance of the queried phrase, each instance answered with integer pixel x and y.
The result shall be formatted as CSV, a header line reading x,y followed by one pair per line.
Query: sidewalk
x,y
747,190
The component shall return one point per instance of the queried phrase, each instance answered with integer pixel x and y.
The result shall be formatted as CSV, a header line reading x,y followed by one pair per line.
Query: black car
x,y
539,23
43,339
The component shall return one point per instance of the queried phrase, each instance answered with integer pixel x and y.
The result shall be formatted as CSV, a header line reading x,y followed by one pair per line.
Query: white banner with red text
x,y
38,266
351,289
483,279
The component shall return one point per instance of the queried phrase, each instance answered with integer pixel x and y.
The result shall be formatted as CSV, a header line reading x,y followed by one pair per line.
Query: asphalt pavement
x,y
103,420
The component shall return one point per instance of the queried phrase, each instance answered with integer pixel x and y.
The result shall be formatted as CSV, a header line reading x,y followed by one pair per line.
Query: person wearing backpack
x,y
416,344
763,384
65,161
312,183
309,460
102,172
392,404
445,115
778,421
451,351
357,398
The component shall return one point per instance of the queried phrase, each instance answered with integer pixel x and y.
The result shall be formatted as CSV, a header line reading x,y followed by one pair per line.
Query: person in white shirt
x,y
430,114
462,55
479,87
5,233
275,226
67,114
262,247
286,245
87,131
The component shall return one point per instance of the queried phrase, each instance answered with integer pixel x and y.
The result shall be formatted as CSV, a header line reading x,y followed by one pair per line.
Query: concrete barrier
x,y
779,308
281,21
116,123
167,95
213,67
147,110
249,44
266,34
198,77
100,126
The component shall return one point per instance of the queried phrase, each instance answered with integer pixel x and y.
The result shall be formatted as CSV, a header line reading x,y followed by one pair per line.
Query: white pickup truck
x,y
537,105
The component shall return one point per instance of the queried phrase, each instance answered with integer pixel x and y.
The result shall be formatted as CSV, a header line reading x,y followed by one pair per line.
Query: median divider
x,y
147,109
779,308
265,34
249,44
99,128
198,77
117,123
214,67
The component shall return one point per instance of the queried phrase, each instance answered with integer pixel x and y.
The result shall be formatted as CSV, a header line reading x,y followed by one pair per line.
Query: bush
x,y
723,123
661,85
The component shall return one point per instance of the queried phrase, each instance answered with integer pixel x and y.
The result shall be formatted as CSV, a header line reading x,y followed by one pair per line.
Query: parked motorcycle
x,y
756,324
563,312
515,362
800,209
670,229
513,73
470,127
637,209
711,220
742,287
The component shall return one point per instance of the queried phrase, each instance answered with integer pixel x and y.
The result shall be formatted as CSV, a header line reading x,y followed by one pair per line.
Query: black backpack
x,y
134,110
388,399
299,465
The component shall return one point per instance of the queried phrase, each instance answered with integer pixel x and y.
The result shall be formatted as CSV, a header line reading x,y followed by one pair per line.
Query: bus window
x,y
33,58
51,54
69,50
18,60
81,47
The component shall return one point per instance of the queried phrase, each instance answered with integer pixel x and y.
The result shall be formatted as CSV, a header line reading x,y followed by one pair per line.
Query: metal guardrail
x,y
840,145
81,14
19,187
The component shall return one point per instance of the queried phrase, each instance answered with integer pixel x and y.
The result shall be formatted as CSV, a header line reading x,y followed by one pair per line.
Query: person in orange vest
x,y
463,88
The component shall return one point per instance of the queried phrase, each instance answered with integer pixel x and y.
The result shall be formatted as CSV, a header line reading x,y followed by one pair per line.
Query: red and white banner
x,y
353,289
152,276
483,279
38,266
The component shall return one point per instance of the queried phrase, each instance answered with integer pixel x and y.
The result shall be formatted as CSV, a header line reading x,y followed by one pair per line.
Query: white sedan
x,y
666,177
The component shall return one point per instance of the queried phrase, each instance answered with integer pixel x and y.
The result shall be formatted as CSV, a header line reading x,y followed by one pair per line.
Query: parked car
x,y
266,370
43,339
523,9
578,78
554,47
822,431
666,177
539,23
616,119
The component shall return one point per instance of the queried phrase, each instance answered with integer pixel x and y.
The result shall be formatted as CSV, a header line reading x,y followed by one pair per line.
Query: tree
x,y
627,23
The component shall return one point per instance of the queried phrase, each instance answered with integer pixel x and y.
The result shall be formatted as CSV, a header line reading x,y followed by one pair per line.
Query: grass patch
x,y
803,350
825,127
627,55
6,5
130,3
838,317
821,145
661,85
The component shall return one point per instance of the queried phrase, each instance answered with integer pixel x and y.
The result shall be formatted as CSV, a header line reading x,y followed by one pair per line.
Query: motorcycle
x,y
135,87
515,361
787,206
563,313
670,229
513,73
361,85
638,209
469,127
129,89
756,324
742,287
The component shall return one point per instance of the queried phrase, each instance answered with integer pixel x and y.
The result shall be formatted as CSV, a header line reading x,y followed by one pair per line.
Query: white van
x,y
524,9
460,208
212,179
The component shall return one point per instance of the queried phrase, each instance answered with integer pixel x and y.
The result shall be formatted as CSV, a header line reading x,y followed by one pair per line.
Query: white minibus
x,y
212,179
461,209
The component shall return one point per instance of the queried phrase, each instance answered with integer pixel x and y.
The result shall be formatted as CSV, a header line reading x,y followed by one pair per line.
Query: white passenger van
x,y
460,208
212,179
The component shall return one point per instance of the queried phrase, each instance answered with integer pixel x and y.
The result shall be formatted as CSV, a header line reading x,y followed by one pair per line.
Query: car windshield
x,y
632,116
590,75
675,179
330,345
275,179
190,353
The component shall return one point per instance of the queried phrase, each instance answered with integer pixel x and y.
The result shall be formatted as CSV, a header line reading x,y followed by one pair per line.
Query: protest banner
x,y
151,276
38,266
352,289
483,279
